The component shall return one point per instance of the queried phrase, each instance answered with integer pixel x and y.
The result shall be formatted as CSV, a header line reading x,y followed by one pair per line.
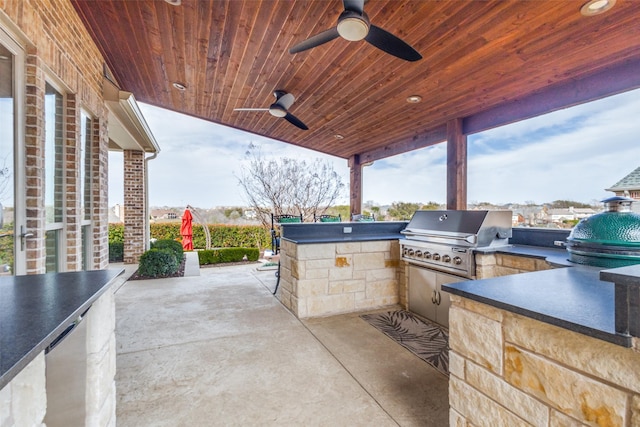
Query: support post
x,y
456,166
355,185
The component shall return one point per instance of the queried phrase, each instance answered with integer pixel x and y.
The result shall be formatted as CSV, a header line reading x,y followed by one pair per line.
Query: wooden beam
x,y
355,185
456,166
606,82
424,139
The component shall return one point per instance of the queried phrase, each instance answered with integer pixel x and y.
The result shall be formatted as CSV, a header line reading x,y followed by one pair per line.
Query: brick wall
x,y
58,48
510,370
134,202
326,279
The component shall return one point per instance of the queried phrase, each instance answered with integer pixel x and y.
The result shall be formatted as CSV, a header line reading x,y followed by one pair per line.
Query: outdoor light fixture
x,y
596,7
414,99
174,2
338,136
179,86
353,28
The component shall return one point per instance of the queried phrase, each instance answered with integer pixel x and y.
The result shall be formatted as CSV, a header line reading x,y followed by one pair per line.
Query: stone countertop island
x,y
34,311
332,268
546,348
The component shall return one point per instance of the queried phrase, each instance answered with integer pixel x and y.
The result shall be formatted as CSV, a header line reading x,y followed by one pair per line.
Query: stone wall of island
x,y
508,370
23,401
323,279
497,264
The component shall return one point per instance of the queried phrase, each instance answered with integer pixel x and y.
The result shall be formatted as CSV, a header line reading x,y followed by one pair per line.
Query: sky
x,y
572,154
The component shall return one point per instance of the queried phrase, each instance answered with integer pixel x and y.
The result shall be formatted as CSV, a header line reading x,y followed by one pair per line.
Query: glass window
x,y
7,137
85,178
53,174
86,138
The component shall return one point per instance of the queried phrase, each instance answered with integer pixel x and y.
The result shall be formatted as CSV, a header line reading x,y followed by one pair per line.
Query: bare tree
x,y
285,185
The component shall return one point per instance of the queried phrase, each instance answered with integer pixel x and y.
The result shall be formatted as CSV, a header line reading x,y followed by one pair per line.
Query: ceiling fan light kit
x,y
353,25
280,109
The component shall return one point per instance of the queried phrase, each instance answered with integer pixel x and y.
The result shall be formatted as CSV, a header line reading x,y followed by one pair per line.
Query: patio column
x,y
456,166
134,205
355,185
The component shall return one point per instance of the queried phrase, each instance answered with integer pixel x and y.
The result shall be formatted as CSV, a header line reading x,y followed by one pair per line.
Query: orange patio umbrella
x,y
186,230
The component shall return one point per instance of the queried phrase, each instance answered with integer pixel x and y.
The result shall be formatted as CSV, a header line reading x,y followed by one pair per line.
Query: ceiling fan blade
x,y
286,101
355,5
317,40
391,44
250,109
295,121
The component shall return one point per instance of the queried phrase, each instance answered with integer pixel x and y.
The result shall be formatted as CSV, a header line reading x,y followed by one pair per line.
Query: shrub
x,y
172,246
116,251
158,263
217,256
116,233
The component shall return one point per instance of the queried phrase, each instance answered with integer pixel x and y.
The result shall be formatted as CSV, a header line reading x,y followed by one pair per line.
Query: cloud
x,y
571,154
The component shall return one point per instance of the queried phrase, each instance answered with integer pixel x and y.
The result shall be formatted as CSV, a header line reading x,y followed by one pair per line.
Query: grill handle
x,y
471,238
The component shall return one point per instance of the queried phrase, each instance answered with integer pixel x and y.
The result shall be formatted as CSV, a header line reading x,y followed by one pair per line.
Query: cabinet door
x,y
442,310
422,285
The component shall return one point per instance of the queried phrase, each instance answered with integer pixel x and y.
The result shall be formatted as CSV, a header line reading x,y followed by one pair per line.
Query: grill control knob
x,y
436,257
446,258
418,254
457,260
426,255
410,252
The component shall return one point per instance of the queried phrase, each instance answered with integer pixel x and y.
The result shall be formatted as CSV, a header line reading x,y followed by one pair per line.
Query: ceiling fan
x,y
354,25
280,108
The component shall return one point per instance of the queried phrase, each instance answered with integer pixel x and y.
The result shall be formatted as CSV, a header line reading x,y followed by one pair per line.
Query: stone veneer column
x,y
101,362
511,370
23,402
134,203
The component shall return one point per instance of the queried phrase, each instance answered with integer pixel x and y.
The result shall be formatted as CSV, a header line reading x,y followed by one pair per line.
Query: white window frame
x,y
61,248
11,42
86,218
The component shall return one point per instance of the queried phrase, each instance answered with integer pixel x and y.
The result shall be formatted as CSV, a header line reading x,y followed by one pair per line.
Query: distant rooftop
x,y
629,182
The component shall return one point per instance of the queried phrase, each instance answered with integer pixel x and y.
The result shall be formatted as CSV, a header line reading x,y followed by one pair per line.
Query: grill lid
x,y
468,228
608,239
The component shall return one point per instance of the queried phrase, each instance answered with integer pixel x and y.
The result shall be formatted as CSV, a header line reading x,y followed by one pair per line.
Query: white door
x,y
12,241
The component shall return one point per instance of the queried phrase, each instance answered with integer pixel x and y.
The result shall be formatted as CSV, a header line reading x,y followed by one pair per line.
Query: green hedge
x,y
220,255
222,236
116,233
116,251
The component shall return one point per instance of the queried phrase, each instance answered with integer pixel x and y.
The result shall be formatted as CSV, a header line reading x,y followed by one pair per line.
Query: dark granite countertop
x,y
35,309
340,232
346,238
558,257
573,298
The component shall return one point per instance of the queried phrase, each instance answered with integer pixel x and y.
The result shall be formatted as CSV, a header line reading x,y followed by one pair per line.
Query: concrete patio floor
x,y
219,349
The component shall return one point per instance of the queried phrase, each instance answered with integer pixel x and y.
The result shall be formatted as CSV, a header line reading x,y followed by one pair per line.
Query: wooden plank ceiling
x,y
477,56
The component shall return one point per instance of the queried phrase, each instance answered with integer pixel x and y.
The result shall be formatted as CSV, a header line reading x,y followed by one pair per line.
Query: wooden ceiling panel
x,y
477,56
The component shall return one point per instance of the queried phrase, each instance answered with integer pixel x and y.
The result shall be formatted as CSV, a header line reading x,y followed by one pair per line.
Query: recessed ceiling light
x,y
414,99
179,86
338,136
174,2
596,7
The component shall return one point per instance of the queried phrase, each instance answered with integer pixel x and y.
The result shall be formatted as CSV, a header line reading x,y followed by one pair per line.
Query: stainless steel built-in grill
x,y
439,248
445,240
